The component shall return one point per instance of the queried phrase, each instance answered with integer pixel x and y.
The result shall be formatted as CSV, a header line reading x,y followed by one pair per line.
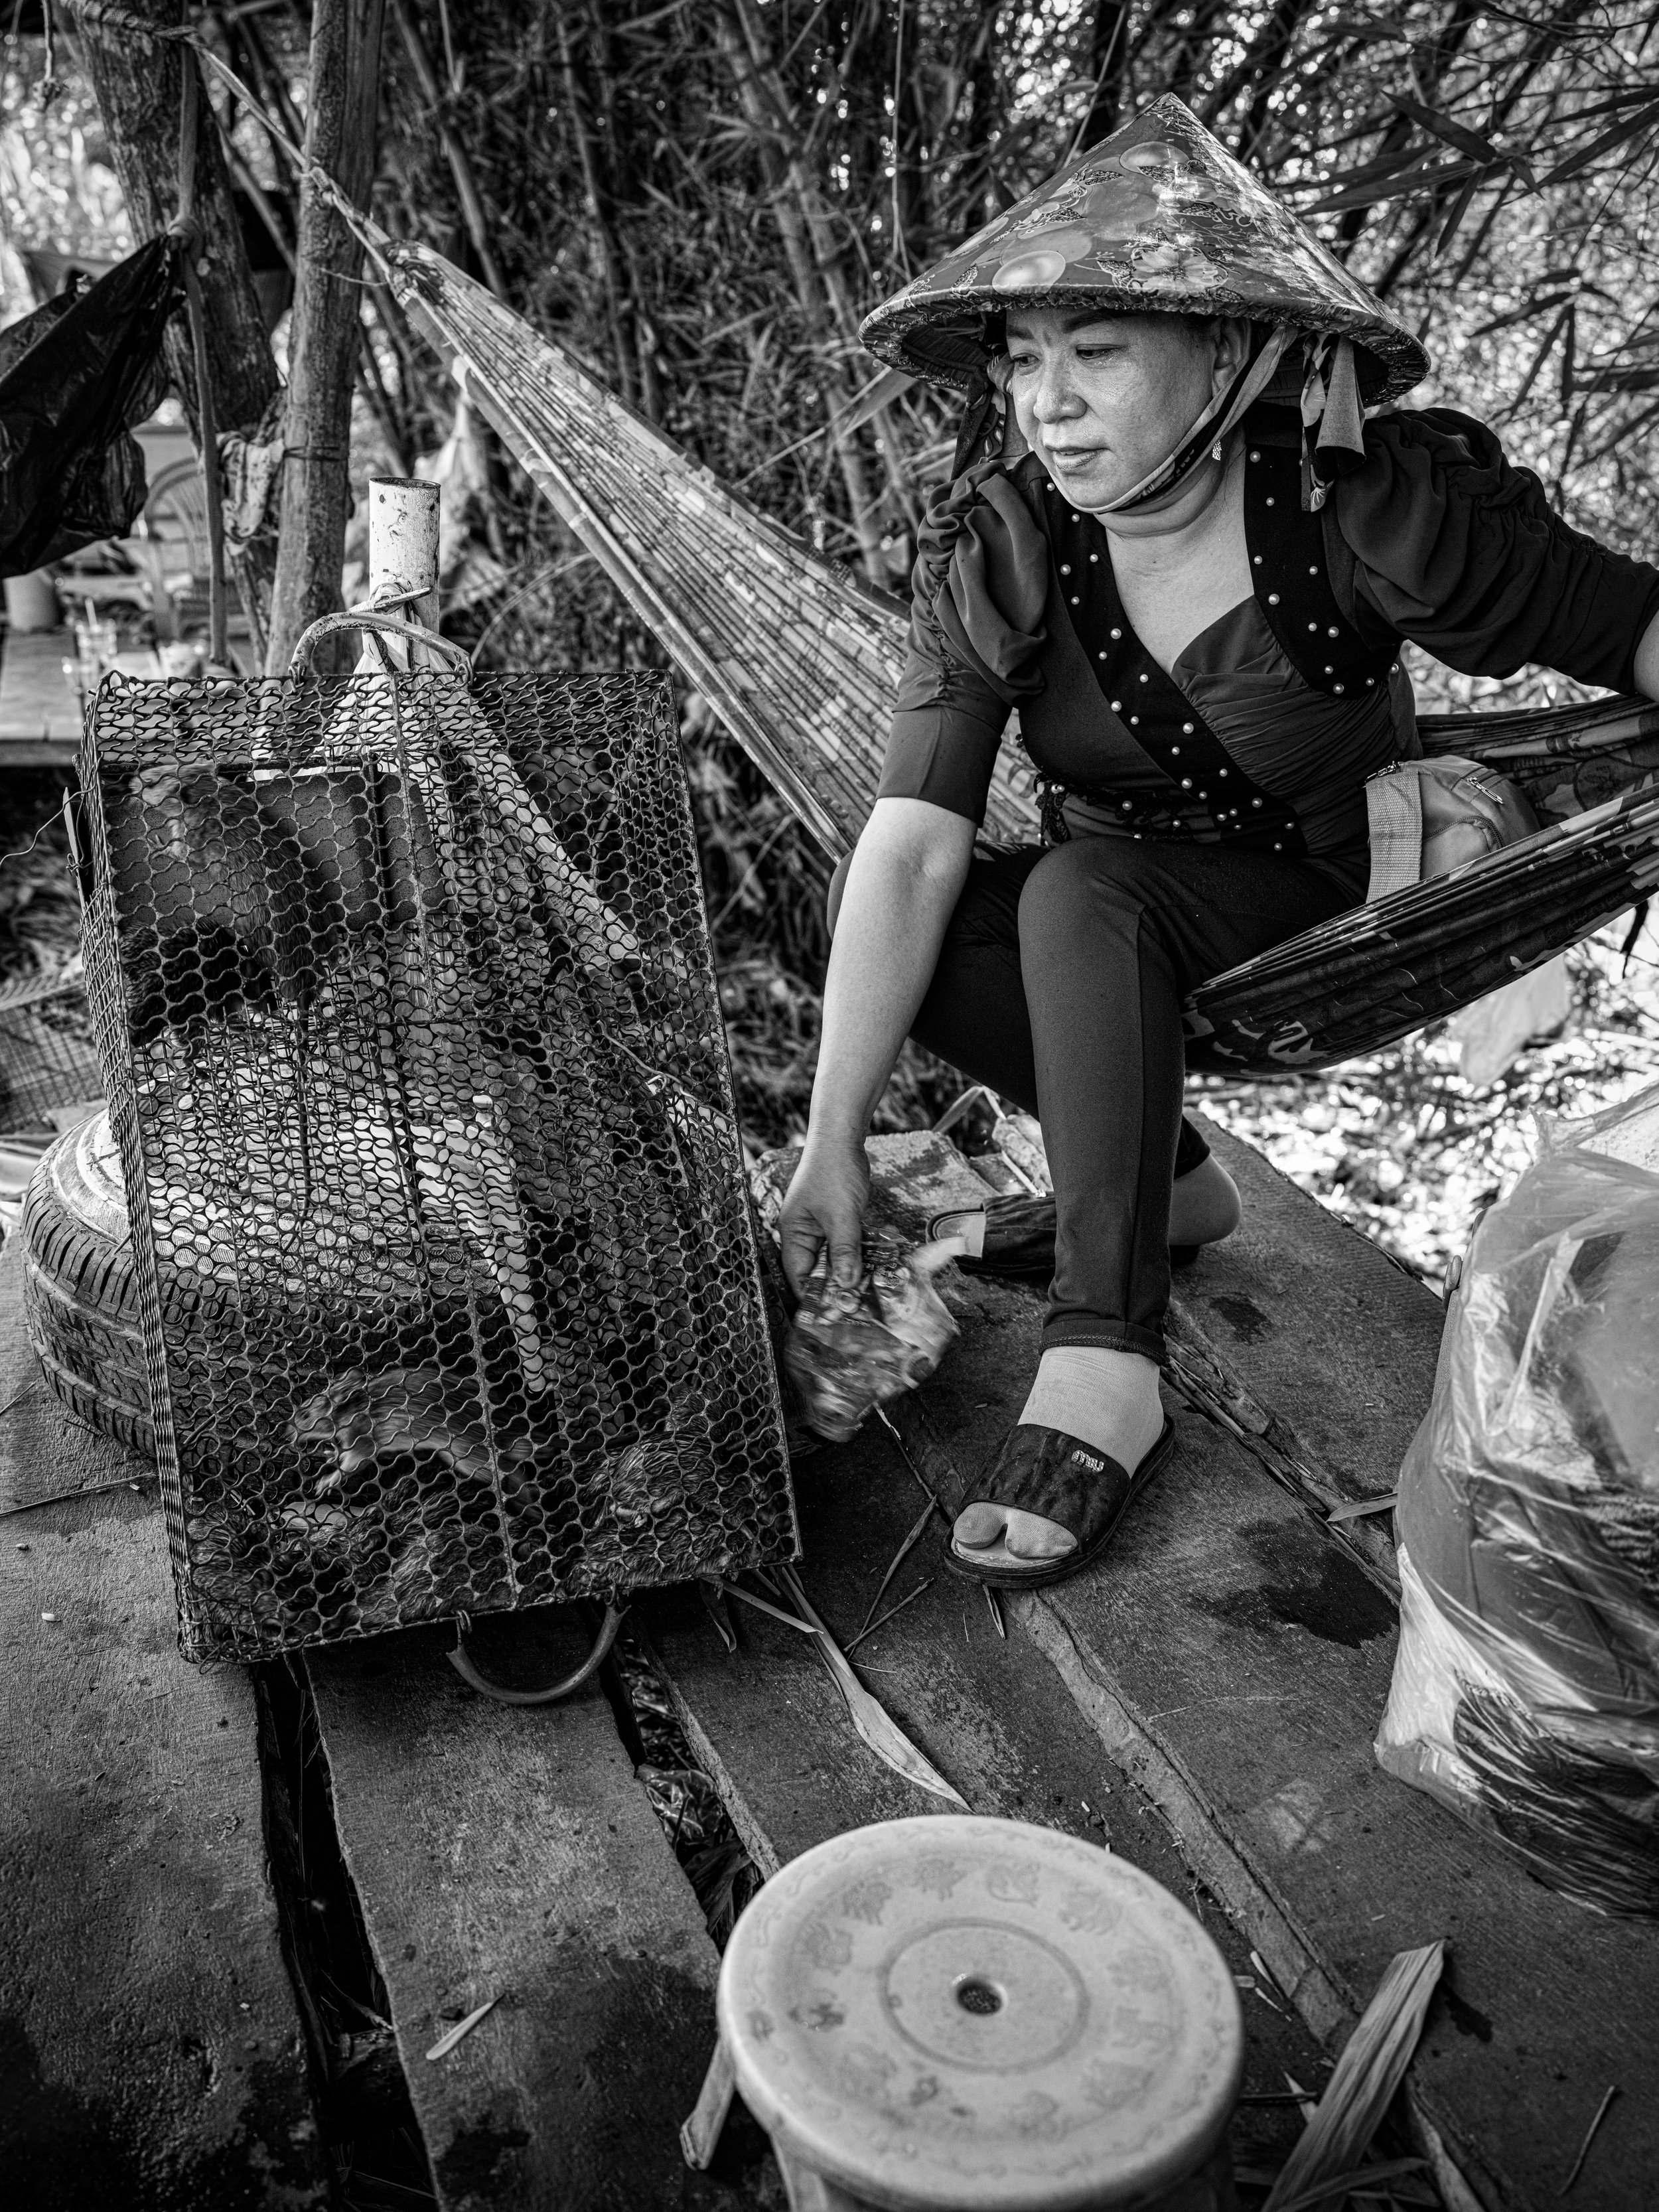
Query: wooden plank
x,y
1234,1655
152,2057
768,1726
1337,1337
1318,1327
1234,1650
511,1854
39,708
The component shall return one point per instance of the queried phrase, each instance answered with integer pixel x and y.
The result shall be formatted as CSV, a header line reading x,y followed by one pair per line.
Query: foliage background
x,y
700,198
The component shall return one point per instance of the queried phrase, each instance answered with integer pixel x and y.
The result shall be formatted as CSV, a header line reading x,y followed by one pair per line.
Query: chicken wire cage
x,y
450,1290
48,1053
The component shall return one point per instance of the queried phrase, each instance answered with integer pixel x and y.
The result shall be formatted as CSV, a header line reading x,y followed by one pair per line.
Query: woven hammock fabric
x,y
800,659
799,656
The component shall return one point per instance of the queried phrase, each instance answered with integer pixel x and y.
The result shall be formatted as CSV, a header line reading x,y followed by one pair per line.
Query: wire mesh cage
x,y
48,1054
451,1296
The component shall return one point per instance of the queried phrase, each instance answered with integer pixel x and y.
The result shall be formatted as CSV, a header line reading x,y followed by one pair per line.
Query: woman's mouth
x,y
1073,457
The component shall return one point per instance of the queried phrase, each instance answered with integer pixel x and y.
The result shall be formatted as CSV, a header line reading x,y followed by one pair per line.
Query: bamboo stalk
x,y
467,185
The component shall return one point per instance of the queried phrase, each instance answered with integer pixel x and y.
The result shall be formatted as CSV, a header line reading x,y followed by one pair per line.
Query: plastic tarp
x,y
75,376
1526,1689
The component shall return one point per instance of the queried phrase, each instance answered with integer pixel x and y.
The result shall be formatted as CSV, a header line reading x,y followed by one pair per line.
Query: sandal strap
x,y
1058,1477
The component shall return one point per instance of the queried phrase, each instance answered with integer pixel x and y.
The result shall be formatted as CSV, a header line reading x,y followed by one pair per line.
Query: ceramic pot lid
x,y
965,2012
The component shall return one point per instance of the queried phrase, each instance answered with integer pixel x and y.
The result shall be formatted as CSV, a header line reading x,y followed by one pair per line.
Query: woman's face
x,y
1104,398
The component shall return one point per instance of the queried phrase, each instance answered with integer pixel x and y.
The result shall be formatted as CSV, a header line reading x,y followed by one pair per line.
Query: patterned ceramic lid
x,y
970,2013
1157,219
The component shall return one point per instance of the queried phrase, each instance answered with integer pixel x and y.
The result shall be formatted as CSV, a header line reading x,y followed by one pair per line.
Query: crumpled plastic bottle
x,y
853,1347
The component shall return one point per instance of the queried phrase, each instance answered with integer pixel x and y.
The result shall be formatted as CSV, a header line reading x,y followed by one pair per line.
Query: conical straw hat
x,y
1157,219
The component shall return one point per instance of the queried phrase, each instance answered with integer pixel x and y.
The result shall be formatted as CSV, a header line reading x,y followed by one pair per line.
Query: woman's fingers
x,y
845,1235
800,1241
823,1213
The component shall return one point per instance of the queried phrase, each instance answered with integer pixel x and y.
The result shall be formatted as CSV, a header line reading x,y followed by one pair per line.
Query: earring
x,y
1215,451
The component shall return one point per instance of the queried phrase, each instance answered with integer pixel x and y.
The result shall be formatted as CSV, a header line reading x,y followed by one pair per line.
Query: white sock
x,y
1106,1399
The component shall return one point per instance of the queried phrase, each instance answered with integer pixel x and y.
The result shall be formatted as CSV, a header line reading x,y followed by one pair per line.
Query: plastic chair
x,y
968,2015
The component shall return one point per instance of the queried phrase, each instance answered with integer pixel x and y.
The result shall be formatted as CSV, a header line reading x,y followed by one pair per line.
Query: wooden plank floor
x,y
1235,1656
1203,1701
39,708
989,1711
150,2043
511,1854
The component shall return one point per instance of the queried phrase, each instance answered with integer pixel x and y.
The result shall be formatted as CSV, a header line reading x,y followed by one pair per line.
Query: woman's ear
x,y
1232,351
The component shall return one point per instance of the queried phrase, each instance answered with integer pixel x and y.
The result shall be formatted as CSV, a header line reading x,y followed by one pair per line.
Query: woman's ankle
x,y
1106,1399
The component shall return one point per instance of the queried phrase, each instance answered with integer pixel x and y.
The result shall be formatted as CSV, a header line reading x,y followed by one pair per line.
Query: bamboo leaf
x,y
1631,128
1430,175
1460,208
898,1560
869,1715
1363,2179
1320,2172
1357,1508
1539,357
1522,314
1454,134
462,2028
890,386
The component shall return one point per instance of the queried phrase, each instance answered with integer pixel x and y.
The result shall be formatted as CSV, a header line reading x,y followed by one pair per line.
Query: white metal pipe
x,y
402,548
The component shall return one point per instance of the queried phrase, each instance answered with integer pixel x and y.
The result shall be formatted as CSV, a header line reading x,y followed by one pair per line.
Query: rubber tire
x,y
79,1295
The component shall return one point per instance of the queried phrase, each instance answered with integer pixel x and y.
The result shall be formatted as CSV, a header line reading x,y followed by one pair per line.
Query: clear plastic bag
x,y
850,1349
1526,1691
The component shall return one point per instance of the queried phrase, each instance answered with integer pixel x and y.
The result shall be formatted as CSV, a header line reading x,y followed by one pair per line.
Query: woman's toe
x,y
977,1527
1030,1537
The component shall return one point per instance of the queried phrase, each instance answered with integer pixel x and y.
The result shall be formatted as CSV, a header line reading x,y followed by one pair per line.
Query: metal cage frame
x,y
414,1053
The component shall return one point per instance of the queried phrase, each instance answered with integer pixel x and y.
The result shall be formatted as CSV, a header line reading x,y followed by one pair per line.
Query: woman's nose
x,y
1056,398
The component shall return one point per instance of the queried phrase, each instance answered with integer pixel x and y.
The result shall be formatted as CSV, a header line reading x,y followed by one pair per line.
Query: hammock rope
x,y
800,657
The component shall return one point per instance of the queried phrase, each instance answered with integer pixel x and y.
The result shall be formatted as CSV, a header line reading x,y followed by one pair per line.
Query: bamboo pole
x,y
345,63
207,429
467,185
805,230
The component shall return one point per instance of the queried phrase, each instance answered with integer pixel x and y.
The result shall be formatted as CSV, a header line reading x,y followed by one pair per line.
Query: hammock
x,y
801,658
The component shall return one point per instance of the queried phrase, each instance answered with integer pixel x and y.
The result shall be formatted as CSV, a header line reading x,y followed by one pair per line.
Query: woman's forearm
x,y
906,878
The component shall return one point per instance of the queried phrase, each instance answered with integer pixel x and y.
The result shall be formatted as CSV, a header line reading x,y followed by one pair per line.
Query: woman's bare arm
x,y
901,889
1647,661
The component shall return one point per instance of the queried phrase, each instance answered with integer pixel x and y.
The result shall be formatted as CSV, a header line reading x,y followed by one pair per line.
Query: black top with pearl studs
x,y
1290,571
1205,793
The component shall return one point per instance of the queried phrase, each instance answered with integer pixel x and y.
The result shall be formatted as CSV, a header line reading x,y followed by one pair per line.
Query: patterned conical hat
x,y
1157,219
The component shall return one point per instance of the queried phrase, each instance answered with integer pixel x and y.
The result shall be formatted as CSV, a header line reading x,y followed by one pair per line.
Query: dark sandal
x,y
1043,1471
1019,1239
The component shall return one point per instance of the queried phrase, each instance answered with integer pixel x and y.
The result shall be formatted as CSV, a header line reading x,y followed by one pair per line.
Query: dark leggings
x,y
1060,984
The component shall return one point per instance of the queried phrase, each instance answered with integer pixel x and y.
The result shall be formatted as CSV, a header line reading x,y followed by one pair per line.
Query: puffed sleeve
x,y
1457,549
977,590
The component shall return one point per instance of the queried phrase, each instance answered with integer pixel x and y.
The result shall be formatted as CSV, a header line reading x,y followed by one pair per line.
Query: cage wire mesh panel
x,y
48,1056
450,1296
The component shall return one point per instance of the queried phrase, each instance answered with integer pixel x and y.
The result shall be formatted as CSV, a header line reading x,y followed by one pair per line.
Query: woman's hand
x,y
826,1209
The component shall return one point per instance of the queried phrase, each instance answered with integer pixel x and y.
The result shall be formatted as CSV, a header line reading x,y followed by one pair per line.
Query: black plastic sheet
x,y
85,371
